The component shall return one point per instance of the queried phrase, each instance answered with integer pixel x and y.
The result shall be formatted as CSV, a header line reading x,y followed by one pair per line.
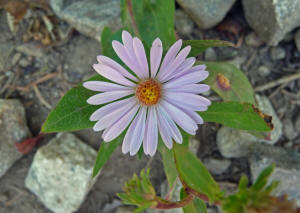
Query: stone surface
x,y
288,129
194,144
210,54
6,49
252,40
183,23
234,143
217,166
60,174
89,17
13,128
206,13
287,169
297,39
297,124
277,53
272,19
125,209
263,71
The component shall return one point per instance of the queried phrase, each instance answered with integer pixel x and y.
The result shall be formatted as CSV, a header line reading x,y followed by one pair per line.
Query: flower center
x,y
148,92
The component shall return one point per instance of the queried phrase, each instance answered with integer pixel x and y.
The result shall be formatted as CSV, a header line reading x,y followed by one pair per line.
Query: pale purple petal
x,y
134,135
164,132
112,74
106,97
171,68
151,132
103,86
189,78
99,113
169,124
171,54
183,68
141,56
189,98
111,63
113,116
118,127
180,117
155,56
128,58
190,88
194,115
198,68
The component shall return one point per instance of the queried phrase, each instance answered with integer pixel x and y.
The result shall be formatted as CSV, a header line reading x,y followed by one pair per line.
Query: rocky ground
x,y
36,70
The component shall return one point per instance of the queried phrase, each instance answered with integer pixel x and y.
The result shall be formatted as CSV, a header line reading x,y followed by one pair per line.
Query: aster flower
x,y
159,97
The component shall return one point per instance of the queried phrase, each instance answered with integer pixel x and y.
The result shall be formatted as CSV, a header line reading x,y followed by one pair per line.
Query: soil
x,y
70,63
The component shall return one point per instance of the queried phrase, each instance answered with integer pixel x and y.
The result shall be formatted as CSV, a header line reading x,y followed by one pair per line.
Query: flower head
x,y
149,101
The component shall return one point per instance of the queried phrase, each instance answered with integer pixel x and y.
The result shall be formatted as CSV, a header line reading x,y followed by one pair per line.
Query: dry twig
x,y
40,97
277,82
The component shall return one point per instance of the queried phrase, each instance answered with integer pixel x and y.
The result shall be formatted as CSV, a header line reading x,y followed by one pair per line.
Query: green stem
x,y
165,204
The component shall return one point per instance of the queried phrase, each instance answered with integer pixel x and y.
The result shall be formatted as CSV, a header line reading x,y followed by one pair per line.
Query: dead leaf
x,y
17,8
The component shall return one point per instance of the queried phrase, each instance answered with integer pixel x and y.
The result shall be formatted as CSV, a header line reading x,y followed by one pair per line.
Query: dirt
x,y
70,63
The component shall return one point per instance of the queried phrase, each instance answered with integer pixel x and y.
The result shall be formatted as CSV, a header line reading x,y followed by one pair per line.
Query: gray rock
x,y
263,71
13,128
6,49
272,19
61,173
288,129
217,166
237,61
297,39
287,169
252,40
210,54
206,13
194,144
234,143
183,23
277,53
89,17
24,62
297,124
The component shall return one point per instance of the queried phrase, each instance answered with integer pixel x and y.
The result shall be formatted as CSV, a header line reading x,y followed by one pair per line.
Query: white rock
x,y
206,13
90,16
287,169
183,23
13,128
61,173
217,166
272,19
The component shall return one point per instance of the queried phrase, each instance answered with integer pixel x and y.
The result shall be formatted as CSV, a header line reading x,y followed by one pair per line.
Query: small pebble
x,y
263,71
210,54
15,59
24,62
252,40
277,53
288,129
297,40
217,166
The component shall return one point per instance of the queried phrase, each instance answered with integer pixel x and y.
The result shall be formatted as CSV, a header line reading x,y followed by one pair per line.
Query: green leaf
x,y
168,163
153,18
196,206
199,46
243,183
235,115
73,112
262,179
105,151
106,42
194,174
239,88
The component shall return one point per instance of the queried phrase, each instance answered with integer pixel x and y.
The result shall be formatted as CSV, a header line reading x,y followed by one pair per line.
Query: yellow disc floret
x,y
148,92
